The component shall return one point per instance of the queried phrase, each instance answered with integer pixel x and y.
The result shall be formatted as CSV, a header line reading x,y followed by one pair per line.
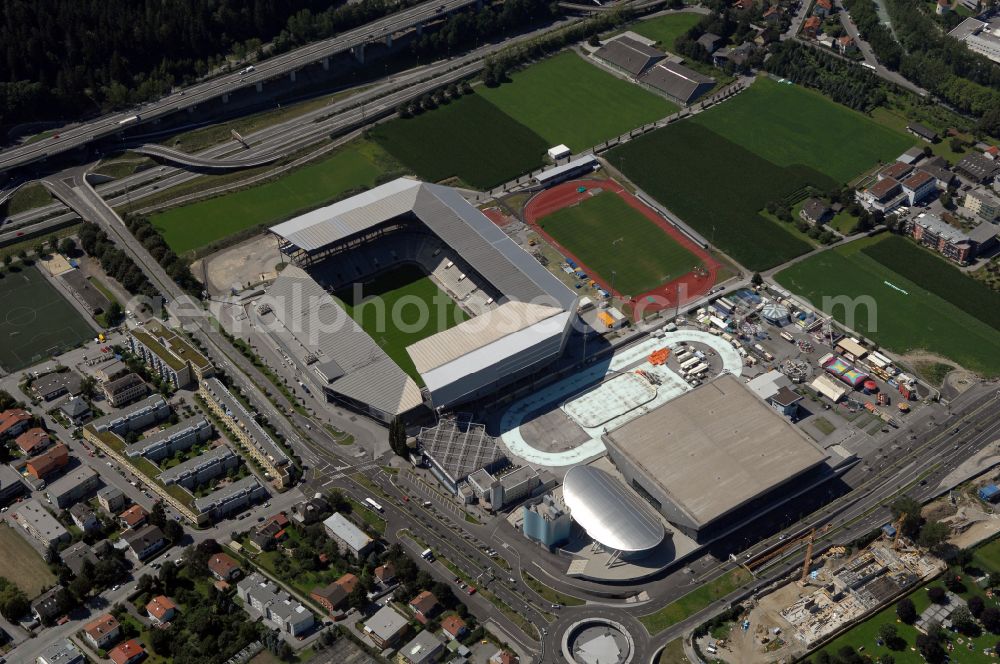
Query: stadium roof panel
x,y
312,316
448,345
609,512
714,449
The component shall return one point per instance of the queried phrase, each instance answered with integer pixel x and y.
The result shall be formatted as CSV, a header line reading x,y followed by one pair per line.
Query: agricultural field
x,y
718,188
665,30
22,565
608,235
402,292
35,320
469,138
789,125
566,99
357,165
904,315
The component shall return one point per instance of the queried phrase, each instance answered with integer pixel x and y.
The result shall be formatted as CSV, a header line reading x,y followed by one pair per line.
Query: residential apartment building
x,y
169,354
254,440
177,438
124,390
136,417
40,523
230,498
14,422
47,463
144,542
200,469
983,204
347,535
951,242
275,605
73,487
387,627
11,485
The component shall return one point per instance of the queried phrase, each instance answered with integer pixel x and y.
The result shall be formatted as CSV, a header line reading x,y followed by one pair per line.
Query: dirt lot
x,y
248,263
22,564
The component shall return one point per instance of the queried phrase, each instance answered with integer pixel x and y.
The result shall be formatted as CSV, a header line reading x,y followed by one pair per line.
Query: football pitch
x,y
568,100
398,308
895,311
619,243
355,166
469,138
35,321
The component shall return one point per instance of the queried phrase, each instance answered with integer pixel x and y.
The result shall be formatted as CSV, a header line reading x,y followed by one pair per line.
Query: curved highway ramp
x,y
178,158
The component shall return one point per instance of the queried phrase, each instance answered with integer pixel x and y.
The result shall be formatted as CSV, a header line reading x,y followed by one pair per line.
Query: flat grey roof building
x,y
61,652
386,623
152,407
248,488
52,385
678,82
345,531
220,455
711,451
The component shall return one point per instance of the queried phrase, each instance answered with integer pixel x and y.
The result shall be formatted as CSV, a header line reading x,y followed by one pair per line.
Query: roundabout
x,y
597,641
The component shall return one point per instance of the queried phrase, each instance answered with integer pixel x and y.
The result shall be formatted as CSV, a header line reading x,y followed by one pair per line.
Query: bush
x,y
905,611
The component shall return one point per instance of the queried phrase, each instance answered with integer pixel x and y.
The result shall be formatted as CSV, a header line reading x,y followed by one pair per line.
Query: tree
x,y
173,531
397,437
976,606
160,640
67,246
963,621
168,576
890,636
990,617
909,509
932,534
756,279
905,611
956,144
953,582
930,647
114,312
594,40
937,595
158,515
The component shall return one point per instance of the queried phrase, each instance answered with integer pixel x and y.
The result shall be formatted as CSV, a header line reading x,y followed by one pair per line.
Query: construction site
x,y
833,592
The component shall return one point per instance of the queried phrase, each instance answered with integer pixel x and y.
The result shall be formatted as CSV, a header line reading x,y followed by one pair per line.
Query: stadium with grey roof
x,y
519,313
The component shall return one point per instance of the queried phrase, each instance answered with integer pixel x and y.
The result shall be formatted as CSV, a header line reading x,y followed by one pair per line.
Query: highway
x,y
170,155
71,138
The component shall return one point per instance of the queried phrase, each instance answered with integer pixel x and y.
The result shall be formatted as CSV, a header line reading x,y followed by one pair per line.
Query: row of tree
x,y
153,241
842,81
114,261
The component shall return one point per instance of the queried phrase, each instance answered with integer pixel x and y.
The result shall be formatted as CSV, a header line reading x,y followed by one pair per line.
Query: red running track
x,y
686,288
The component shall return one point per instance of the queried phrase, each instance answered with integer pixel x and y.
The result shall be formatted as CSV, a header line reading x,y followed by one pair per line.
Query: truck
x,y
427,555
132,119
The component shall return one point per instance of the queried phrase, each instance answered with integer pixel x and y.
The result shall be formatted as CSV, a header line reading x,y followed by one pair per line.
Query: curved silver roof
x,y
609,512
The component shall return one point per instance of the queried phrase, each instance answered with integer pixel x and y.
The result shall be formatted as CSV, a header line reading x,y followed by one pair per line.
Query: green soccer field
x,y
666,29
904,316
608,235
718,188
568,100
411,308
356,165
35,320
469,138
790,125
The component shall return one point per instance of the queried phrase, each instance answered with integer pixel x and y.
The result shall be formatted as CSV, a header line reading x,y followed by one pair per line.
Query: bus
x,y
372,505
687,364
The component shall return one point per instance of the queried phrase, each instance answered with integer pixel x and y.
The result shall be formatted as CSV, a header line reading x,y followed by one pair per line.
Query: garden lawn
x,y
397,299
469,138
694,601
903,317
607,235
790,125
718,188
357,165
666,29
567,100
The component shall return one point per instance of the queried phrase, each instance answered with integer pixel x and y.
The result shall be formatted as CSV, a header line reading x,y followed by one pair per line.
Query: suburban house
x,y
310,511
14,422
454,627
816,211
102,632
386,573
47,606
223,567
333,596
386,627
503,657
710,42
425,606
111,499
33,441
846,45
130,652
84,517
133,517
144,542
76,410
161,609
423,648
822,8
811,26
76,555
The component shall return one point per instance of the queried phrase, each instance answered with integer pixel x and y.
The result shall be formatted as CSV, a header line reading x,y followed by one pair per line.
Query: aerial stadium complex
x,y
516,315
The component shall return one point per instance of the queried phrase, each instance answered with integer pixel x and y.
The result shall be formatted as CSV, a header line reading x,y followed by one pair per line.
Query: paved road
x,y
73,137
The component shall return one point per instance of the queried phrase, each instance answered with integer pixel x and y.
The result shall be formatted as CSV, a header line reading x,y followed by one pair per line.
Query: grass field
x,y
35,320
607,235
470,139
666,29
694,601
28,197
718,188
565,99
404,292
905,315
789,125
356,165
22,564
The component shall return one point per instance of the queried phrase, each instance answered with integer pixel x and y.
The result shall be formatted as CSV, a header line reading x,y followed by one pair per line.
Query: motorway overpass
x,y
179,158
287,64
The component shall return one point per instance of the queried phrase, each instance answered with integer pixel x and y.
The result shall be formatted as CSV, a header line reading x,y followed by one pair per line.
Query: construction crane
x,y
809,554
899,531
